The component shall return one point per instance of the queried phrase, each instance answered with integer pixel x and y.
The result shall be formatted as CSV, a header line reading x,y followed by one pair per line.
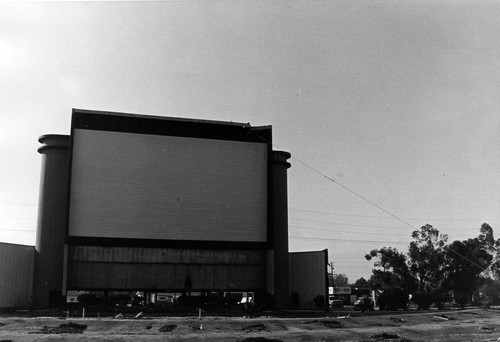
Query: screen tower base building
x,y
160,204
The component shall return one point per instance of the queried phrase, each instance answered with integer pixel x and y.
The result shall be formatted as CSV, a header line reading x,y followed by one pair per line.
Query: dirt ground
x,y
471,325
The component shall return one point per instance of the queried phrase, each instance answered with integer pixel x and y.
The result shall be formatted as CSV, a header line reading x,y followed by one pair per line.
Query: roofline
x,y
166,118
16,244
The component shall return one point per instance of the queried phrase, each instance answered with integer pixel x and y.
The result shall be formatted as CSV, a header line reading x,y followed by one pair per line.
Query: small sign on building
x,y
339,290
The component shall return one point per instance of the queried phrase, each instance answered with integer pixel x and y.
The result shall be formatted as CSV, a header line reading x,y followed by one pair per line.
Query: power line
x,y
17,203
332,213
463,256
18,230
385,217
380,208
343,231
354,193
344,240
378,241
345,224
371,226
373,204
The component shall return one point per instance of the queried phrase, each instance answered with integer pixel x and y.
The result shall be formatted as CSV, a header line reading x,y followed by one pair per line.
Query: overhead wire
x,y
354,193
382,209
384,217
345,224
18,230
342,231
345,240
370,202
364,225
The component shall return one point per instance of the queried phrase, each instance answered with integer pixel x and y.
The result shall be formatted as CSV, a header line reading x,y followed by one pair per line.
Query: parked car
x,y
364,303
335,302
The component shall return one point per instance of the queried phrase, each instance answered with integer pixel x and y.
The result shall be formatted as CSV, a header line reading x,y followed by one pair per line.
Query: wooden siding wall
x,y
129,268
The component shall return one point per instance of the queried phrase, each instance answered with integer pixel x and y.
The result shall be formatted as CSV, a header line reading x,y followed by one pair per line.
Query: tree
x,y
339,279
426,257
394,273
466,260
361,282
432,267
493,247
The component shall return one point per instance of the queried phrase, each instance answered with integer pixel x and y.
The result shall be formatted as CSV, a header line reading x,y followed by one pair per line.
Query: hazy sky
x,y
396,100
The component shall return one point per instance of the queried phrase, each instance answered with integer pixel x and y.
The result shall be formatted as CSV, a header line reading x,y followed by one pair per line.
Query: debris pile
x,y
260,339
70,328
399,320
329,323
255,328
168,328
384,337
487,328
443,317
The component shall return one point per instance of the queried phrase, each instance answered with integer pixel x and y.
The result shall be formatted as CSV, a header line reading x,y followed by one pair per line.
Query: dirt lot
x,y
469,325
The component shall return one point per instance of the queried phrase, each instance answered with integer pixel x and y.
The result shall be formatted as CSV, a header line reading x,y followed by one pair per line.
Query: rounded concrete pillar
x,y
51,223
280,230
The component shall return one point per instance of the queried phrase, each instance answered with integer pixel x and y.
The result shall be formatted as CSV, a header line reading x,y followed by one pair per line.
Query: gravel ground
x,y
470,325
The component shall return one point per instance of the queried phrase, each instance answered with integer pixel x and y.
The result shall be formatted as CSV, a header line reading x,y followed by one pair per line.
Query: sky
x,y
390,109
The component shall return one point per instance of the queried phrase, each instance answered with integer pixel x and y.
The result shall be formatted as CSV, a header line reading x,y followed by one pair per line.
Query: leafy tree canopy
x,y
395,273
361,282
432,267
426,255
339,280
466,260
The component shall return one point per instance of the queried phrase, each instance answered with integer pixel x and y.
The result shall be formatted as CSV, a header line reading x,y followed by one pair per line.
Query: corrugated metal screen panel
x,y
308,276
93,267
164,255
16,275
127,185
164,276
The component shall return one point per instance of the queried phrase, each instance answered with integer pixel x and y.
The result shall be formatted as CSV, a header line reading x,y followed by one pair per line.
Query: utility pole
x,y
331,267
331,270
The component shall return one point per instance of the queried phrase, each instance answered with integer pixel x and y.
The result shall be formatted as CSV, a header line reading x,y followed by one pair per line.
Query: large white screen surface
x,y
140,186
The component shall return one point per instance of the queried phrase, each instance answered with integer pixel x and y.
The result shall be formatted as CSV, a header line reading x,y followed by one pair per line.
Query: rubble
x,y
260,339
329,323
168,328
388,338
490,329
69,328
255,328
342,317
399,320
443,317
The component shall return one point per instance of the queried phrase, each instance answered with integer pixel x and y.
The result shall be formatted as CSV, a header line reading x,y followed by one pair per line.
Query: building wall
x,y
135,268
248,252
16,275
308,278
